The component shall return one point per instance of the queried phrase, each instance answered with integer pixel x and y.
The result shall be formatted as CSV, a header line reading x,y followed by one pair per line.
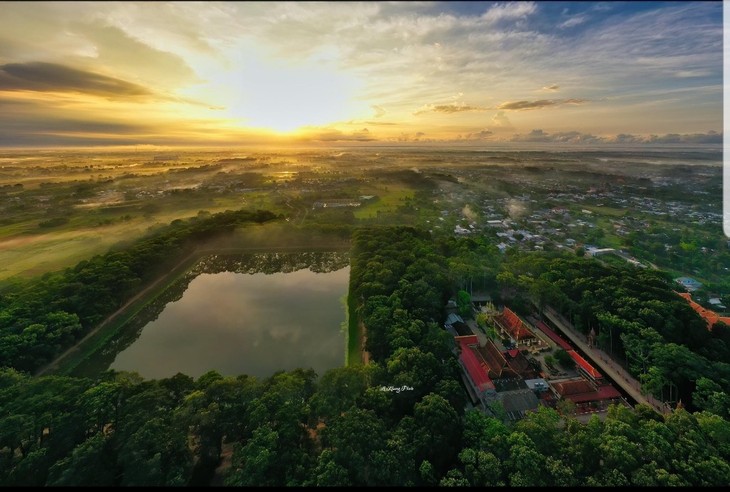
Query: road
x,y
601,360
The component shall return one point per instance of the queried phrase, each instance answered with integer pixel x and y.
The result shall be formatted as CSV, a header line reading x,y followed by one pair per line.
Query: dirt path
x,y
364,354
112,317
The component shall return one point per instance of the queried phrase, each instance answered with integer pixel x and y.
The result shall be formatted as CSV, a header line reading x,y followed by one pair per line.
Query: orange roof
x,y
585,365
514,325
708,315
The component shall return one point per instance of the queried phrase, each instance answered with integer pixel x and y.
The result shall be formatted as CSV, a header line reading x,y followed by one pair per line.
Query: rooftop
x,y
711,317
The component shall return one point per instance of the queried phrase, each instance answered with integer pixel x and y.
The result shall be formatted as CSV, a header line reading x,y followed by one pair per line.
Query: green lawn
x,y
388,201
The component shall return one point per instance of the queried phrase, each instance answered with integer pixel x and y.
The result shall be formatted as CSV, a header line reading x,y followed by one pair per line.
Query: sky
x,y
338,73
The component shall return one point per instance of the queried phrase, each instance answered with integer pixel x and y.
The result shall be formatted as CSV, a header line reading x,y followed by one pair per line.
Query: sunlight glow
x,y
284,98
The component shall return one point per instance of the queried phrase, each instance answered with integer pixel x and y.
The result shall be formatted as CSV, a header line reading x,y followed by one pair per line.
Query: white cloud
x,y
573,21
501,122
509,11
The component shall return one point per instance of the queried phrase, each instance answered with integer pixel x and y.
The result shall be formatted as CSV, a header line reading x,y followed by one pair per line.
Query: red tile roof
x,y
553,336
473,363
708,315
581,391
589,369
573,387
514,325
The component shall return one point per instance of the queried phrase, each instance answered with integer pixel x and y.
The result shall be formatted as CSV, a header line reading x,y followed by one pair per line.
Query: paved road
x,y
605,363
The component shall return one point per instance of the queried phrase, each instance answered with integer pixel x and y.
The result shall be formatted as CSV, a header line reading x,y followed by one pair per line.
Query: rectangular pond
x,y
246,314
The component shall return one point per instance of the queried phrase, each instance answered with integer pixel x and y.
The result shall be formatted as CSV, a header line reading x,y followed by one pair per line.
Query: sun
x,y
285,97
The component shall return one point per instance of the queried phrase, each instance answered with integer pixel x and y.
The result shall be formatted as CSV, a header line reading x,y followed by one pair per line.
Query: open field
x,y
388,201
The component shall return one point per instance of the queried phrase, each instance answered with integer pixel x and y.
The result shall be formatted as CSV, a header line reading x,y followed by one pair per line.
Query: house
x,y
715,301
688,283
592,251
587,397
515,328
518,402
496,362
479,385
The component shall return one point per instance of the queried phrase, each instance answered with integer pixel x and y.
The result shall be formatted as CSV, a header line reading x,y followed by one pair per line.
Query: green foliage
x,y
463,302
40,319
348,429
564,359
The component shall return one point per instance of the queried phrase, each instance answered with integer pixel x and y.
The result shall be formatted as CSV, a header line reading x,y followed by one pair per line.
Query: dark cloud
x,y
576,137
573,137
710,137
481,135
410,137
542,103
53,77
30,123
625,138
691,138
447,108
383,123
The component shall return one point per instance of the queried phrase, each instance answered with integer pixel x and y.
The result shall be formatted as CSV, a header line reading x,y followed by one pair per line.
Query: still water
x,y
245,323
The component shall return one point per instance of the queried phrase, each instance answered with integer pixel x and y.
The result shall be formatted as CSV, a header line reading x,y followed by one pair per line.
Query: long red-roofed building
x,y
581,391
475,369
584,367
711,317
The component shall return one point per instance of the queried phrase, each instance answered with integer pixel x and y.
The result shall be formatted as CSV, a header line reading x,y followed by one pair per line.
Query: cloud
x,y
333,135
379,111
509,11
572,137
131,57
542,103
399,55
684,74
382,123
480,135
573,21
551,88
53,77
624,138
501,122
691,138
447,108
575,137
410,137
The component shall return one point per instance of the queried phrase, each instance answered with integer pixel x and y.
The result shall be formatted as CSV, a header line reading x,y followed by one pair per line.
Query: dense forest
x,y
400,419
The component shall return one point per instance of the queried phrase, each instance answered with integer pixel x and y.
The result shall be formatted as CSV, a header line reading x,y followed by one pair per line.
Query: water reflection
x,y
238,314
252,324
